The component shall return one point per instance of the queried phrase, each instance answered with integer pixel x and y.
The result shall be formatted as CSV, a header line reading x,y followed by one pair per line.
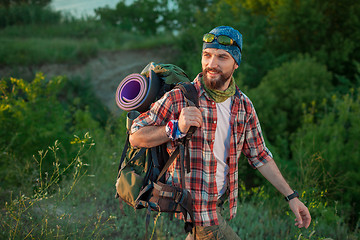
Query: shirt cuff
x,y
173,131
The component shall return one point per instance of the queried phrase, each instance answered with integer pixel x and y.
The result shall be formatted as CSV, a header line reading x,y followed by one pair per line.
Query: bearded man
x,y
227,125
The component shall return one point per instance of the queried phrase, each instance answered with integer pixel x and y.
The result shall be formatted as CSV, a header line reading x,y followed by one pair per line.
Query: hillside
x,y
105,71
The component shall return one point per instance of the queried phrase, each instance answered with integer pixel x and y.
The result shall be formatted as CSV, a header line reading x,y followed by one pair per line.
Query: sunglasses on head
x,y
221,39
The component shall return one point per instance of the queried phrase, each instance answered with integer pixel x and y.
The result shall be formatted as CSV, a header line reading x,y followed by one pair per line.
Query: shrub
x,y
325,29
335,137
35,113
281,93
31,117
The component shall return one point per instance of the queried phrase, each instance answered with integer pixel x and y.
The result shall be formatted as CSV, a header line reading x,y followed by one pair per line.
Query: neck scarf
x,y
220,96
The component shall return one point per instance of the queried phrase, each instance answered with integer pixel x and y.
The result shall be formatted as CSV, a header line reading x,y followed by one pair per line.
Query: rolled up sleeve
x,y
159,114
254,147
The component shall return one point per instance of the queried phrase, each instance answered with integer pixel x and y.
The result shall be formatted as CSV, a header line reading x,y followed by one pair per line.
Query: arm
x,y
271,172
150,136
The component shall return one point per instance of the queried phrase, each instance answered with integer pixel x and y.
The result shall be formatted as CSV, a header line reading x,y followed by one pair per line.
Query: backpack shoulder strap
x,y
190,93
192,99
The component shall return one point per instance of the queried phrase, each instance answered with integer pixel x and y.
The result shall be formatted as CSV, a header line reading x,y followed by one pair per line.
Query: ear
x,y
236,66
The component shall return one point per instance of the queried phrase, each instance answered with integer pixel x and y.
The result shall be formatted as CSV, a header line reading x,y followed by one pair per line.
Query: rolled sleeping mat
x,y
137,92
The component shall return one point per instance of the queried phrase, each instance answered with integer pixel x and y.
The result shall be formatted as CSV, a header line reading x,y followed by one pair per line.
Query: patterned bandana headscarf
x,y
232,49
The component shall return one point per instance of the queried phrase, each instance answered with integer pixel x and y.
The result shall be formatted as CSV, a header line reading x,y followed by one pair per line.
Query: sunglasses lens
x,y
208,38
224,40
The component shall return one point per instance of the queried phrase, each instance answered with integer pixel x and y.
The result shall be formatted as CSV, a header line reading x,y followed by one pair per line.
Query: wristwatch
x,y
291,196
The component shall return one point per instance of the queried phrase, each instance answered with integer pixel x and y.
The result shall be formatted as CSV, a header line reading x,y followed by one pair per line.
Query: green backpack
x,y
141,174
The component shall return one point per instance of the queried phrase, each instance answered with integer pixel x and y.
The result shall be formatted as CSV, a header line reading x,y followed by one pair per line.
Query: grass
x,y
83,205
70,42
34,51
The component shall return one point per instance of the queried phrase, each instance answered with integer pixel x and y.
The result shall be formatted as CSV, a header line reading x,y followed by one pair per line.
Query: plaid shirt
x,y
246,137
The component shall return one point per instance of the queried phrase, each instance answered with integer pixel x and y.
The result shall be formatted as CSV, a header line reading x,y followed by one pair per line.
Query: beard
x,y
218,82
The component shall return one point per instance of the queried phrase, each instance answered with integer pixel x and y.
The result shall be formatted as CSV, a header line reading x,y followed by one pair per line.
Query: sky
x,y
82,8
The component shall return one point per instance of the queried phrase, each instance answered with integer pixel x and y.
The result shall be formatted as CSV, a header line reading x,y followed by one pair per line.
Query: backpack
x,y
141,174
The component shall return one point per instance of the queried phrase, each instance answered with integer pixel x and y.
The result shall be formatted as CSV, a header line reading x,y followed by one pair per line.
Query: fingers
x,y
189,116
298,219
306,217
302,214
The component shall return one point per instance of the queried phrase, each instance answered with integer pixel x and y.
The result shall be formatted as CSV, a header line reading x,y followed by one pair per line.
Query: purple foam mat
x,y
137,92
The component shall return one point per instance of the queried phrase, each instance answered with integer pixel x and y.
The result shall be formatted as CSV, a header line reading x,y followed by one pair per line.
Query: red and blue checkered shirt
x,y
246,138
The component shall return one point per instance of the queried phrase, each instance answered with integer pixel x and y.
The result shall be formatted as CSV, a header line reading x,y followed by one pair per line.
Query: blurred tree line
x,y
301,66
15,12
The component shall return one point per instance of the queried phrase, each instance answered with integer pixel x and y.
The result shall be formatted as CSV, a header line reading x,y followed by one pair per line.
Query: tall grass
x,y
33,51
82,204
72,42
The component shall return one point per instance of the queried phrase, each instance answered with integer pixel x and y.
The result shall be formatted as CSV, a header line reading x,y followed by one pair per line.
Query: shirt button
x,y
213,103
214,121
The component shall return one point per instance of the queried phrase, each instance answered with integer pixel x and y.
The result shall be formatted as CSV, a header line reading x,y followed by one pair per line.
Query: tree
x,y
10,3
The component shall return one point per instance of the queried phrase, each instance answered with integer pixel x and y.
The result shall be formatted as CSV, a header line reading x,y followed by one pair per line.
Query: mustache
x,y
212,69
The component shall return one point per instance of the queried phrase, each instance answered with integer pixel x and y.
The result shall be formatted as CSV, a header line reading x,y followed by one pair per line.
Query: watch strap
x,y
291,196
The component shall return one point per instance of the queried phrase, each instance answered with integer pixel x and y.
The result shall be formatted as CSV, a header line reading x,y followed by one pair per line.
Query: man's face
x,y
217,67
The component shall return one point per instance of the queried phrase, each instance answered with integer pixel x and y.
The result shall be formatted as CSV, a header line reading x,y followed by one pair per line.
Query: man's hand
x,y
189,116
301,212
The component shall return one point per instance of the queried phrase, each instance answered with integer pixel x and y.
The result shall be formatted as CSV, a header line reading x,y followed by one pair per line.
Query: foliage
x,y
281,93
68,42
11,3
144,16
335,137
40,215
325,29
32,116
151,16
26,12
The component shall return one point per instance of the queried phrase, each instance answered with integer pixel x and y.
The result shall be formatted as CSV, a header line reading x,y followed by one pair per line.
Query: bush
x,y
31,117
34,114
281,93
325,29
335,138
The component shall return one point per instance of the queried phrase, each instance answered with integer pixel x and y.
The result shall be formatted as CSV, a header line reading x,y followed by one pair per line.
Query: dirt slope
x,y
105,71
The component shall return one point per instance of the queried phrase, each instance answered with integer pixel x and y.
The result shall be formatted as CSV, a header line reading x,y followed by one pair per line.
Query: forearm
x,y
272,173
149,136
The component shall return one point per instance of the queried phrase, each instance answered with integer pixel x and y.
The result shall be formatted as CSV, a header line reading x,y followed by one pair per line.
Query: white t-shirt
x,y
222,144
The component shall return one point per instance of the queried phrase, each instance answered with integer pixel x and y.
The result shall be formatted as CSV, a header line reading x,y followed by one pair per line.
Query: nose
x,y
213,62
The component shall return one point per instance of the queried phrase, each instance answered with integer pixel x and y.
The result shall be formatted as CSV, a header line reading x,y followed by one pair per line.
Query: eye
x,y
205,54
224,57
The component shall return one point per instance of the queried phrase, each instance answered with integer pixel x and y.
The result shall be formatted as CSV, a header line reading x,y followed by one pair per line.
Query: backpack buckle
x,y
178,197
